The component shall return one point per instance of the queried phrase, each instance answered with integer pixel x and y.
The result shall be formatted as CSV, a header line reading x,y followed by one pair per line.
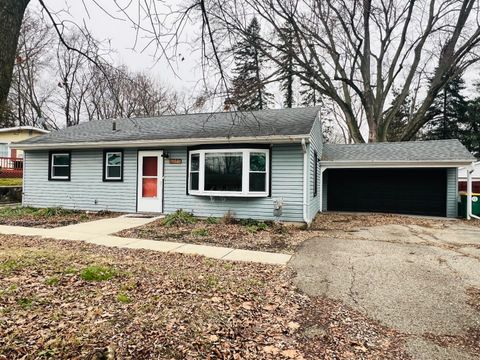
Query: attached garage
x,y
418,178
402,191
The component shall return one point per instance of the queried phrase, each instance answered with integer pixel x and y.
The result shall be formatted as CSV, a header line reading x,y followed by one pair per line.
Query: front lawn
x,y
64,299
47,217
247,234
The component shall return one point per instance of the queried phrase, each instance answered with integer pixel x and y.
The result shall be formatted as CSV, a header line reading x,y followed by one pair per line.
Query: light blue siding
x,y
316,144
452,192
287,184
86,190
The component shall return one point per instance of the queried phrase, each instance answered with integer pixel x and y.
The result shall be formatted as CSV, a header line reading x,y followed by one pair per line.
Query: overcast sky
x,y
185,74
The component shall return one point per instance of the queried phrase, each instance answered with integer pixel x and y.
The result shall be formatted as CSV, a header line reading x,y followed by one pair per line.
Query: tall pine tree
x,y
447,112
249,90
309,95
286,48
470,131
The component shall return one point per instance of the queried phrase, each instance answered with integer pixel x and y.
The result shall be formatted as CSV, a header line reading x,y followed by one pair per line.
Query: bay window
x,y
229,172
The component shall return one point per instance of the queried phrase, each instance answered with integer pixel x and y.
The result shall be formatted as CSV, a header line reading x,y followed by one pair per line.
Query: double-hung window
x,y
60,166
229,172
113,165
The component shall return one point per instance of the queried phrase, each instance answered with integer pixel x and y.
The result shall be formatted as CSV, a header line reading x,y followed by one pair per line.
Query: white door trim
x,y
150,204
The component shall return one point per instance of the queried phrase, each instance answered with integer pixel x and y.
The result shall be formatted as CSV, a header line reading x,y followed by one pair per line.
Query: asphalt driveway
x,y
422,281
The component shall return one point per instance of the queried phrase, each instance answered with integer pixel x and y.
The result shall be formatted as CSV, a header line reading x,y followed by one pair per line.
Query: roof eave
x,y
276,139
338,164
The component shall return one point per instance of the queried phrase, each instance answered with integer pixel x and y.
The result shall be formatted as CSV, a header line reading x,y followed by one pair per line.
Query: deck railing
x,y
11,167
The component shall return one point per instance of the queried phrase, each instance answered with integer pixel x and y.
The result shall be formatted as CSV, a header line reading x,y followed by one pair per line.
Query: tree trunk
x,y
11,16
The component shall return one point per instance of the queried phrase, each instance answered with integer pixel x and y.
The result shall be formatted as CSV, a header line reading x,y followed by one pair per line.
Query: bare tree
x,y
29,96
362,50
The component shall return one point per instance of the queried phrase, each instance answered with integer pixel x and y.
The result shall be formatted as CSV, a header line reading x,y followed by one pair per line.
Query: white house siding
x,y
287,184
452,192
316,143
85,190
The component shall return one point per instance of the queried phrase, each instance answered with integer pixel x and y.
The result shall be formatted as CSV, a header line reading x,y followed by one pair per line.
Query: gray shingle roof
x,y
288,122
434,150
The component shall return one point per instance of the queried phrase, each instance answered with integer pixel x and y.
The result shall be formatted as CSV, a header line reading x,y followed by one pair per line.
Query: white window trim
x,y
245,173
120,165
52,176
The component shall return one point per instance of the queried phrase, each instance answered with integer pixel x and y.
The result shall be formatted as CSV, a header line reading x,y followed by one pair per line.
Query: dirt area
x,y
240,234
249,235
420,277
61,299
48,217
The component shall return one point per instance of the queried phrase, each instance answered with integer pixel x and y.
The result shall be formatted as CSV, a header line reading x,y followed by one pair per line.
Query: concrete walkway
x,y
99,232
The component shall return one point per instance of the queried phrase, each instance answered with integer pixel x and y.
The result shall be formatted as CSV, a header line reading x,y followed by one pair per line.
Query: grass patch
x,y
52,281
11,182
200,232
179,218
124,298
212,220
25,303
97,273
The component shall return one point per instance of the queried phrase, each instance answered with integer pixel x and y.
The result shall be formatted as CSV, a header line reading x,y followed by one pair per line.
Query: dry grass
x,y
48,217
62,299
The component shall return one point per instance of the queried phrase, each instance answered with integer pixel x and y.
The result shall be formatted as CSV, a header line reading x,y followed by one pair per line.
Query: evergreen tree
x,y
249,90
286,48
470,131
447,112
400,120
309,95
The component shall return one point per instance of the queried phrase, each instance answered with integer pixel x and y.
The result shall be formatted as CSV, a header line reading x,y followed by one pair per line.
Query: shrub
x,y
97,273
253,226
212,220
229,218
179,218
200,232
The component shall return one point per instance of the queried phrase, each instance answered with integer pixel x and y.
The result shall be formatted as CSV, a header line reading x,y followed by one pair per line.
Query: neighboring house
x,y
462,179
265,165
14,134
11,163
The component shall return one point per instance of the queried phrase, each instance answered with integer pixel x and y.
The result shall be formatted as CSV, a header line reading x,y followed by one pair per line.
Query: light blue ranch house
x,y
268,164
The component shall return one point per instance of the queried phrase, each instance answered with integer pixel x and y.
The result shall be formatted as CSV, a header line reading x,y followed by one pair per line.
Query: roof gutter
x,y
276,139
339,164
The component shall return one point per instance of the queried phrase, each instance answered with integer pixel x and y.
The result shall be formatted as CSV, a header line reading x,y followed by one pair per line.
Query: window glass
x,y
4,150
114,172
223,171
257,181
60,166
114,159
195,162
61,159
150,166
149,187
258,161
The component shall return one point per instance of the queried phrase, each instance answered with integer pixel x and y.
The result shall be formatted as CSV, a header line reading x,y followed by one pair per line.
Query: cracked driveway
x,y
410,278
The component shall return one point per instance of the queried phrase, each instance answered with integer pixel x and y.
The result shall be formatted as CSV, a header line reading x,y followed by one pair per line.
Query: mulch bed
x,y
157,305
276,238
52,221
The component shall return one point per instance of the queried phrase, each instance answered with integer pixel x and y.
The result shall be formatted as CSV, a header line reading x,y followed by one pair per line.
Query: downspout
x,y
469,194
305,182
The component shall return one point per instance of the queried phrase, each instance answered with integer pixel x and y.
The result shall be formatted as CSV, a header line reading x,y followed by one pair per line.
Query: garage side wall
x,y
452,192
316,144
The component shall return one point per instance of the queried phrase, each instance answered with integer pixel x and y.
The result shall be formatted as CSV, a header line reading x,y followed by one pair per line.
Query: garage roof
x,y
222,126
408,151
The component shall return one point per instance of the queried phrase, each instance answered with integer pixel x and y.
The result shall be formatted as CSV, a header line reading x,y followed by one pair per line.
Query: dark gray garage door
x,y
403,191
